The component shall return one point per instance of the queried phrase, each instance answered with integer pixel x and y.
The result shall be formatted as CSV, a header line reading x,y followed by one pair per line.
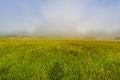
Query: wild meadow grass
x,y
35,59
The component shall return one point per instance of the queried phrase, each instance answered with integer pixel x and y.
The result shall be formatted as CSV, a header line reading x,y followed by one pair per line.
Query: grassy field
x,y
36,59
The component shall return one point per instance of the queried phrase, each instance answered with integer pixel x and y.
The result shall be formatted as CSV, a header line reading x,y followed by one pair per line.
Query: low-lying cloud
x,y
72,17
82,16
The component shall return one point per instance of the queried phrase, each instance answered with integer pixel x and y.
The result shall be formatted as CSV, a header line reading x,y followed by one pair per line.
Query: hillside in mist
x,y
98,34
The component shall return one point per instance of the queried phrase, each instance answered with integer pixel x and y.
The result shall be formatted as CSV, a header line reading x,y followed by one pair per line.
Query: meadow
x,y
36,59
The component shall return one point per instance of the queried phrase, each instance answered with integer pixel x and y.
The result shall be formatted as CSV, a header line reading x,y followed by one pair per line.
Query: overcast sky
x,y
60,16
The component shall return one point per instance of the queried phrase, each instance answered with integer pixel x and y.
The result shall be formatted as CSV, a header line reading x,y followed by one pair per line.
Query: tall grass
x,y
59,60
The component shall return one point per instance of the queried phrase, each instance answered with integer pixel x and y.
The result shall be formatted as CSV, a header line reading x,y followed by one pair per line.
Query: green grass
x,y
59,60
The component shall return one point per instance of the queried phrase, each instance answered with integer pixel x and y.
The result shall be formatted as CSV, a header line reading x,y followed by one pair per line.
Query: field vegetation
x,y
35,59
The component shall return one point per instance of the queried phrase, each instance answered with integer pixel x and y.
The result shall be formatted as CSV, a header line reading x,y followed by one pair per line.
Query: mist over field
x,y
59,39
61,18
